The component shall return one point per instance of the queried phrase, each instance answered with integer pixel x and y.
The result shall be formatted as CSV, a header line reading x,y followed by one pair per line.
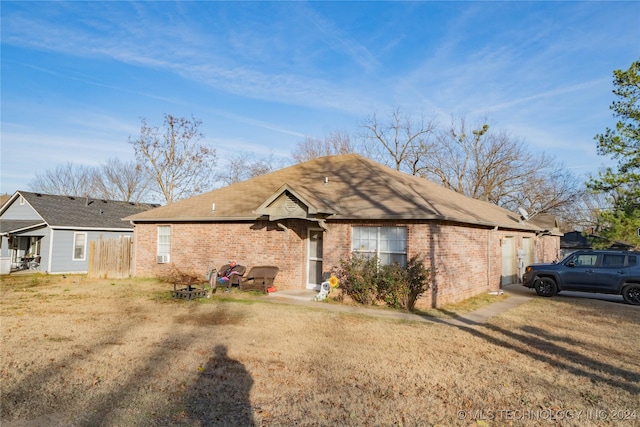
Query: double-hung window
x,y
79,246
389,244
164,240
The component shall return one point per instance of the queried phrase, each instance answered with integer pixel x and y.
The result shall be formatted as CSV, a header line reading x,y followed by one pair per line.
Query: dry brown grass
x,y
122,353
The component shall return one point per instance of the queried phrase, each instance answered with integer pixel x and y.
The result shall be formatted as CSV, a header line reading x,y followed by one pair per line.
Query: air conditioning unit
x,y
162,259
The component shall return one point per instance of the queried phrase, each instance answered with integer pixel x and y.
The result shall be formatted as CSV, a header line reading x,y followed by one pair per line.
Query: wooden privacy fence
x,y
110,258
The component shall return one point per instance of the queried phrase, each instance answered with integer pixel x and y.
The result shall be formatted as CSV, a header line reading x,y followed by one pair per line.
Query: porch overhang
x,y
17,226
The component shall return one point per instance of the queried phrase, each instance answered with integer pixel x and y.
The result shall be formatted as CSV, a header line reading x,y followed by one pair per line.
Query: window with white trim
x,y
389,244
79,246
164,239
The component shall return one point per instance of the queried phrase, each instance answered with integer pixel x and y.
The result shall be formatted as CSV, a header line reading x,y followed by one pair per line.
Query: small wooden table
x,y
191,288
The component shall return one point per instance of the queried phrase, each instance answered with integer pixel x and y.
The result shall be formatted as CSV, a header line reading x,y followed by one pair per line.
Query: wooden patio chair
x,y
259,278
234,280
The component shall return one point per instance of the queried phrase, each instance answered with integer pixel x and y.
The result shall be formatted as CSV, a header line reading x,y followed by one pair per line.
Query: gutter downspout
x,y
489,255
133,268
281,226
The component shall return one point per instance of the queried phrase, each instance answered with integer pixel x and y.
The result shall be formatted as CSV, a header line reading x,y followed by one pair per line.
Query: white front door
x,y
528,255
314,259
509,275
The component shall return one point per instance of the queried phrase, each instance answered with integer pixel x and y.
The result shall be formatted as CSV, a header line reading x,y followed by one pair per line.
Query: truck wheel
x,y
546,287
631,294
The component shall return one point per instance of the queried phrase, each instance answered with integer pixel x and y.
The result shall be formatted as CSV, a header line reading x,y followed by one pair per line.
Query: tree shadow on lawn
x,y
99,413
542,346
32,388
220,395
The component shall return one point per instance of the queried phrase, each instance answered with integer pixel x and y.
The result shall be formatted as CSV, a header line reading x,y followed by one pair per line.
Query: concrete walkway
x,y
517,295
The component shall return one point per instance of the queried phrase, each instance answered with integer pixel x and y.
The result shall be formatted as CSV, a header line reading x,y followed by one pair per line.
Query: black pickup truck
x,y
607,272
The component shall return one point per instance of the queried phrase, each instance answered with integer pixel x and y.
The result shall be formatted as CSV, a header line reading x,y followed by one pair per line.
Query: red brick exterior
x,y
467,260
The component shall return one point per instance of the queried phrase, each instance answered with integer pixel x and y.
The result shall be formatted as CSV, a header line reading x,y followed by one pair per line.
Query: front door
x,y
525,256
314,259
509,274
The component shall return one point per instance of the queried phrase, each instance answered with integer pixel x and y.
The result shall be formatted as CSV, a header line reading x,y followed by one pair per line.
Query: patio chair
x,y
259,278
234,280
34,264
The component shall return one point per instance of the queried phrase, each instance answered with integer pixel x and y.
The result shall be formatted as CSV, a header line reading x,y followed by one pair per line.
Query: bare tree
x,y
401,138
116,180
242,166
338,142
549,189
582,214
176,163
65,180
494,166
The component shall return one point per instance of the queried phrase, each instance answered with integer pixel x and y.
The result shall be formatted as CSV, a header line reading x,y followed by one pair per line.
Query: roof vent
x,y
213,207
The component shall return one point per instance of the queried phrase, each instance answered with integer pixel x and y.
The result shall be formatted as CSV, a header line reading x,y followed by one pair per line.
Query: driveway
x,y
518,289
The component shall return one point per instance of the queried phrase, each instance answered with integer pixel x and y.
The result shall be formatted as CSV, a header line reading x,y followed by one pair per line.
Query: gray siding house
x,y
51,233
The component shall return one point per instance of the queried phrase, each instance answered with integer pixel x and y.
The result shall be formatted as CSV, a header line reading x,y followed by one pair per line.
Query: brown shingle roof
x,y
80,212
346,186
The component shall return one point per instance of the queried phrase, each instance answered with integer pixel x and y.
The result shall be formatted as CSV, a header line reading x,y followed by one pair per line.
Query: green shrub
x,y
392,285
358,278
366,282
419,280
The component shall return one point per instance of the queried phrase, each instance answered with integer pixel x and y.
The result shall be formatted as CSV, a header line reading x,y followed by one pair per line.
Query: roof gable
x,y
286,203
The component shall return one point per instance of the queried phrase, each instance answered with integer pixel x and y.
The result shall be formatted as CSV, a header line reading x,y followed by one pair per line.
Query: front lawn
x,y
120,353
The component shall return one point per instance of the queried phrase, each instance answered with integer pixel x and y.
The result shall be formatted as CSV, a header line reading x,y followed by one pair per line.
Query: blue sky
x,y
77,77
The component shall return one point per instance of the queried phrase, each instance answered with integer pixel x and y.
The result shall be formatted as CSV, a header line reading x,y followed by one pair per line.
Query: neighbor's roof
x,y
16,225
73,212
547,222
341,187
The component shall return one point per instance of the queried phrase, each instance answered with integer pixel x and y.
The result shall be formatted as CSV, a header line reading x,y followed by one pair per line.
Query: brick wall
x,y
467,259
463,258
197,246
548,249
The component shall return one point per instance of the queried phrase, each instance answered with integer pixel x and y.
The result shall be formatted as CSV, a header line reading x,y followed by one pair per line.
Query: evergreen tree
x,y
622,184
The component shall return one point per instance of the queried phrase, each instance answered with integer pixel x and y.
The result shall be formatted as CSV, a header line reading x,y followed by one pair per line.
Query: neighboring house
x,y
578,240
549,223
55,230
307,218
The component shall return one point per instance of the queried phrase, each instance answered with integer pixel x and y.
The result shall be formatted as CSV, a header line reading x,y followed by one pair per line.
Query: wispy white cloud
x,y
510,103
180,50
341,42
537,68
255,123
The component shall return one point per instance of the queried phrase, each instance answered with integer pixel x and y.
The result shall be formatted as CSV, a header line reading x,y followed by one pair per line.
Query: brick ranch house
x,y
308,217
